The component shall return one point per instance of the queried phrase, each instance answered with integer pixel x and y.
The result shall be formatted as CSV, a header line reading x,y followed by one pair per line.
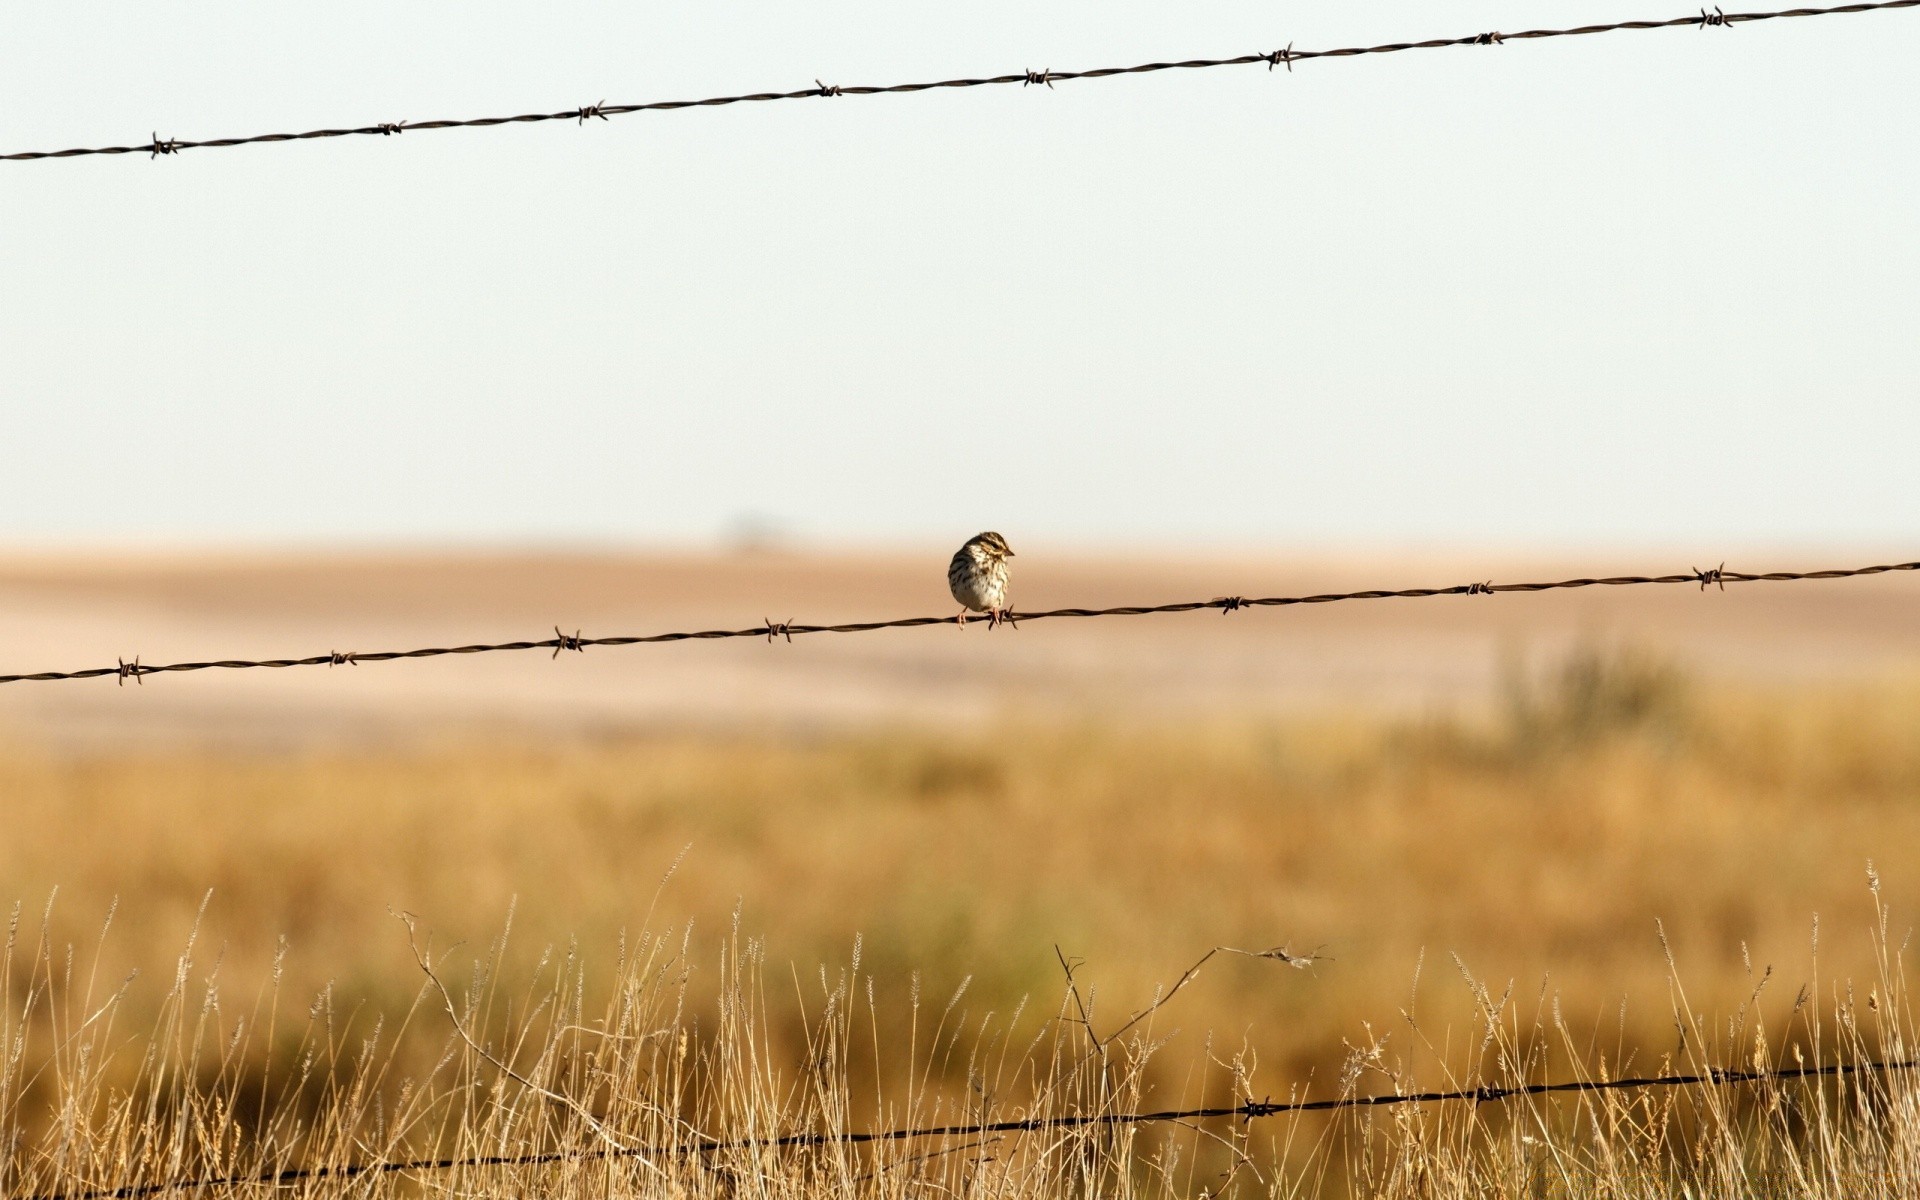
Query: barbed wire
x,y
1719,576
1287,57
1247,1111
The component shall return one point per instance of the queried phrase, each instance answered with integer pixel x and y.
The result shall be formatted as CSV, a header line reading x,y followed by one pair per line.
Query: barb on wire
x,y
1247,1111
564,641
156,146
771,629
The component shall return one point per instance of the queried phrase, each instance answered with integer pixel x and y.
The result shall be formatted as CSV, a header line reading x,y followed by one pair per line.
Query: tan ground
x,y
62,613
1132,791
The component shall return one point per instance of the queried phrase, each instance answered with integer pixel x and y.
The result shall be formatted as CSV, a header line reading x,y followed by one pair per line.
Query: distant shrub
x,y
1592,694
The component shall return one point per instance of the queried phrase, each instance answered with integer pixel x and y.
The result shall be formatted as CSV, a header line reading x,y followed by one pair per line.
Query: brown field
x,y
1450,801
1401,655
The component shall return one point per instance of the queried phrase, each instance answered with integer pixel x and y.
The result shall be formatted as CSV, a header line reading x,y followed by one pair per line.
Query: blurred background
x,y
1626,304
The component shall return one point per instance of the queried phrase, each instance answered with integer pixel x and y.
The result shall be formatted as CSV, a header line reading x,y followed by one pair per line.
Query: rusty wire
x,y
1246,1111
1719,576
156,145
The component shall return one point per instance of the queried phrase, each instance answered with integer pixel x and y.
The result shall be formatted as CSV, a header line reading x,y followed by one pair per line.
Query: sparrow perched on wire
x,y
977,577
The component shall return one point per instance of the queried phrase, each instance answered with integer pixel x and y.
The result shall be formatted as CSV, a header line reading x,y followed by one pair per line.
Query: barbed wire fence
x,y
1249,1110
157,146
771,630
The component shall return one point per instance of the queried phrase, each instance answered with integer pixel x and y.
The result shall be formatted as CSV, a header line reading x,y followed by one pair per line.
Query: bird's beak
x,y
1010,553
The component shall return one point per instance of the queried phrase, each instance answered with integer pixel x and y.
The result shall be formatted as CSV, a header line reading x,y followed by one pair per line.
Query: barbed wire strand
x,y
1719,577
1246,1111
157,145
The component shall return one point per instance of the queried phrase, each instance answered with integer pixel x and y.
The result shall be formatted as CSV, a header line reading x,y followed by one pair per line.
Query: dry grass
x,y
1539,844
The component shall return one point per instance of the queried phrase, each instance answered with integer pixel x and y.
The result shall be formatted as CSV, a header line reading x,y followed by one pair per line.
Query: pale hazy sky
x,y
1641,286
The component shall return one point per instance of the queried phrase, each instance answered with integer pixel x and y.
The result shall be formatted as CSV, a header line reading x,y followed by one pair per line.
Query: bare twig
x,y
1277,954
460,1028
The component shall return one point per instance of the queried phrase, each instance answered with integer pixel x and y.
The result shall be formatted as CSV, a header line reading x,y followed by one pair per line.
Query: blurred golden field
x,y
1583,802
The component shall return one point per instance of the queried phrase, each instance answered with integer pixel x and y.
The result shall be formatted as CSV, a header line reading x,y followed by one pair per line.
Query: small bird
x,y
977,577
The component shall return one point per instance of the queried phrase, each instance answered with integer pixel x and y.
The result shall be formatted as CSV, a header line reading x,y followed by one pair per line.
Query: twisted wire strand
x,y
1712,576
1247,1111
158,145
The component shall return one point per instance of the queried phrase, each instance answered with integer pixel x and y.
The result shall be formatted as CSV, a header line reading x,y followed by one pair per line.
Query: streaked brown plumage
x,y
977,577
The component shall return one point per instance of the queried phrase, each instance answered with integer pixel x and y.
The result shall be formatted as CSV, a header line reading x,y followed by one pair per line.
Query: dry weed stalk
x,y
646,1092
